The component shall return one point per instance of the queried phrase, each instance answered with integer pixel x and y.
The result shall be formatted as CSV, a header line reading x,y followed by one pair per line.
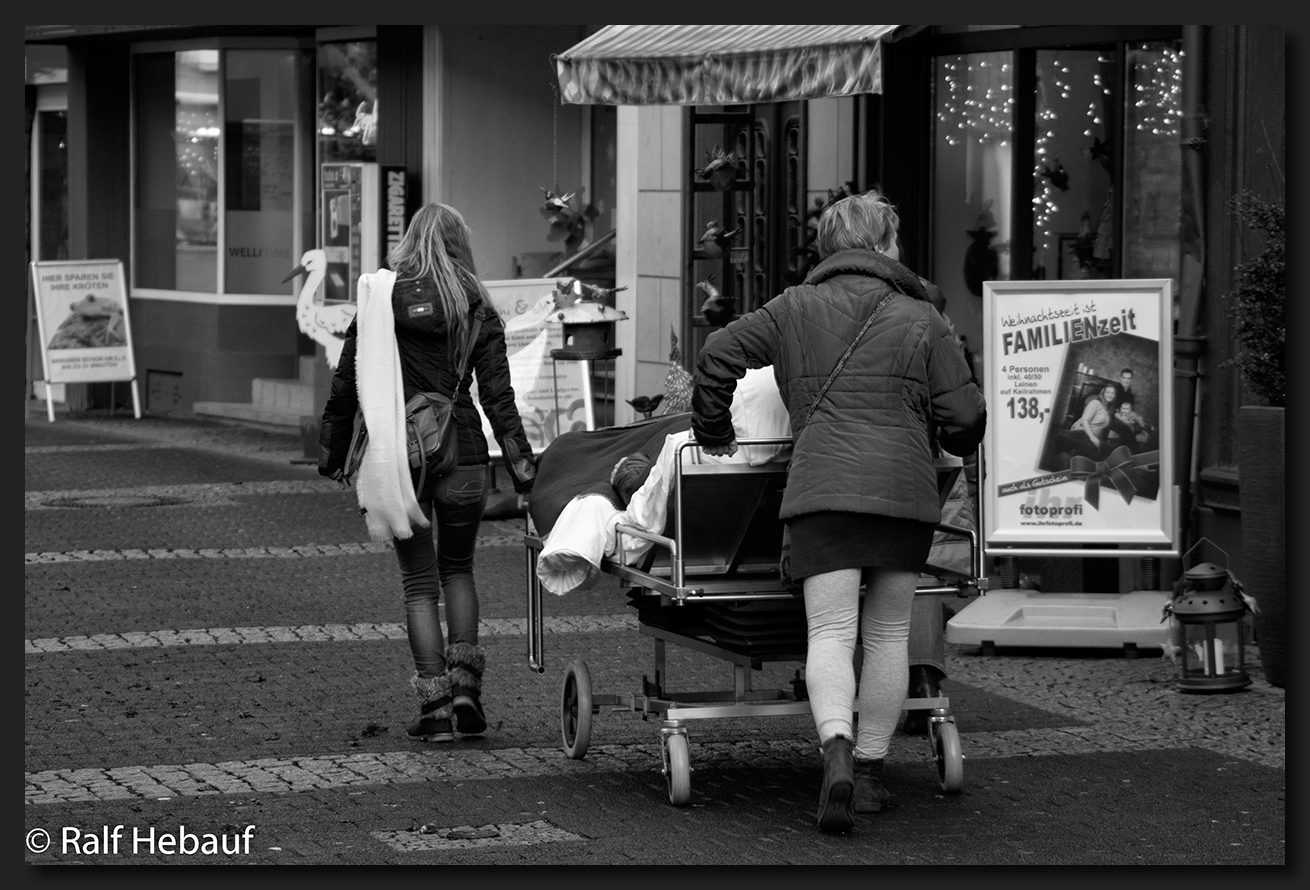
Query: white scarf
x,y
385,487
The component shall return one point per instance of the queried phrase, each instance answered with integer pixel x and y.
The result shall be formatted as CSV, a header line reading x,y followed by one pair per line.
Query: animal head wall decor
x,y
567,223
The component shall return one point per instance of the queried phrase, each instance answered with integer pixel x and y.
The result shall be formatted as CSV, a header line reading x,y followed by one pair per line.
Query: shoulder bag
x,y
429,428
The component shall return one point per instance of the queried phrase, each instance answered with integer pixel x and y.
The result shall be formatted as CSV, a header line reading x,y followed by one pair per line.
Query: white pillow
x,y
758,413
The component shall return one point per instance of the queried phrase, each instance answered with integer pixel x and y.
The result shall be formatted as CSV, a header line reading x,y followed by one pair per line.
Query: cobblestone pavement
x,y
212,642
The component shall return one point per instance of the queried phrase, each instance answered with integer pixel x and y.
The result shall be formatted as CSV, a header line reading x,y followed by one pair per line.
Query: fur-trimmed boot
x,y
464,665
434,708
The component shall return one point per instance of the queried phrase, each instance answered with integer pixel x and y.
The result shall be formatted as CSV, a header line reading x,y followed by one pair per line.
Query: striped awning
x,y
721,64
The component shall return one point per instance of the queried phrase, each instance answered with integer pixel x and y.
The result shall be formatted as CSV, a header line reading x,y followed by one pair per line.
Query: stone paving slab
x,y
240,660
1173,807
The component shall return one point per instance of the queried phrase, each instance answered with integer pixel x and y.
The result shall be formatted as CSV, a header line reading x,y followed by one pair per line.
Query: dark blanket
x,y
578,463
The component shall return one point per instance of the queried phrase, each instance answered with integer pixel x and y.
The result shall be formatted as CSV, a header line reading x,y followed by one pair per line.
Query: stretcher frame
x,y
688,566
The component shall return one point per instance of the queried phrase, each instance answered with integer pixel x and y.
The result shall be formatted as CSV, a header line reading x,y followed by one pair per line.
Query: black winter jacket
x,y
867,447
427,365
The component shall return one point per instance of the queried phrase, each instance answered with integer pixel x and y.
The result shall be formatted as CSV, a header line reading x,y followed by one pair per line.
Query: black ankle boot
x,y
925,682
836,809
870,795
465,663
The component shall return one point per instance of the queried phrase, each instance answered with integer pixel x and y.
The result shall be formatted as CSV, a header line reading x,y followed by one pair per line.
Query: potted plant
x,y
1256,305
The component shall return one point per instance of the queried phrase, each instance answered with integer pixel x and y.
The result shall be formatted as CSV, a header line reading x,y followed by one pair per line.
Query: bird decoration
x,y
571,290
1058,176
567,292
717,309
646,405
677,382
714,240
567,223
721,169
325,323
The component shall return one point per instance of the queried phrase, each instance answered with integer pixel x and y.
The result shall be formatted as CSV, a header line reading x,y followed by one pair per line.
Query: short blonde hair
x,y
867,221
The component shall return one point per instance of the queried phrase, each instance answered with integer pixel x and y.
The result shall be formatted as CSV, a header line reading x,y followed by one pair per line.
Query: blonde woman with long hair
x,y
410,334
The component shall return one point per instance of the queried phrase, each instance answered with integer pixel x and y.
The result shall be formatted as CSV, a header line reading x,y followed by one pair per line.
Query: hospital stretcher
x,y
711,584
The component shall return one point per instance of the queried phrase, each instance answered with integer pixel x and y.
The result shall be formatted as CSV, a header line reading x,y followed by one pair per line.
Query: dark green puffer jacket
x,y
867,446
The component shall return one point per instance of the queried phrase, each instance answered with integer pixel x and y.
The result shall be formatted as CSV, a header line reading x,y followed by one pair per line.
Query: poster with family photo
x,y
1078,380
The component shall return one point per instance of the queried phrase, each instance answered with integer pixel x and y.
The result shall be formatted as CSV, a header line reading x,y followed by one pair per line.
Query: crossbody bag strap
x,y
468,348
841,363
469,343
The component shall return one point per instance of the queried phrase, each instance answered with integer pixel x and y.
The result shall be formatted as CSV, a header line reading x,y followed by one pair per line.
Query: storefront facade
x,y
197,156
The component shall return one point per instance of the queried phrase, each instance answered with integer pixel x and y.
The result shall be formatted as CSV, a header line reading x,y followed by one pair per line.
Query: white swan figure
x,y
324,323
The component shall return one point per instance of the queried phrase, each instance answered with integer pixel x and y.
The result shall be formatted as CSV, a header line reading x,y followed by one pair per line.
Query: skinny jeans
x,y
834,620
440,558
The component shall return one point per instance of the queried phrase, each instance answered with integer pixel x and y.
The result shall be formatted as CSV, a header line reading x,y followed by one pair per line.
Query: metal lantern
x,y
1210,610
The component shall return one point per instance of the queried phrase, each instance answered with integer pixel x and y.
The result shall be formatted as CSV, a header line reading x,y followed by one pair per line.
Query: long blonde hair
x,y
436,247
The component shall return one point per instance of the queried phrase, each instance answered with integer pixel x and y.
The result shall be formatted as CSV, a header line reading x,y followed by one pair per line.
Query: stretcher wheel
x,y
950,761
575,709
677,770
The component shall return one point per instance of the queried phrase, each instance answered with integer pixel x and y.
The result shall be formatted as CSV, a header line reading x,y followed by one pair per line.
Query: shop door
x,y
744,232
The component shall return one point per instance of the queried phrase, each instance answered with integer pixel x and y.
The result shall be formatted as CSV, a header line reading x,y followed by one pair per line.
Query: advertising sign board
x,y
553,397
1079,445
82,319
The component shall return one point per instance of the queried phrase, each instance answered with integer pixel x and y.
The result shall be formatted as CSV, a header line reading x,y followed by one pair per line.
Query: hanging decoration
x,y
567,223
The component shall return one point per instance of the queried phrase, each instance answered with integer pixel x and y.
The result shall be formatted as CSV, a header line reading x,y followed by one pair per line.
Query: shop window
x,y
1103,160
348,101
219,169
1152,214
1073,194
974,157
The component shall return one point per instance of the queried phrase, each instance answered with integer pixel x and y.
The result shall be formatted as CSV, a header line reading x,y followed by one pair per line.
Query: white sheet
x,y
587,528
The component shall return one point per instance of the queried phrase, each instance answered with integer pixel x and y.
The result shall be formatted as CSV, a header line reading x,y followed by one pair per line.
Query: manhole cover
x,y
116,500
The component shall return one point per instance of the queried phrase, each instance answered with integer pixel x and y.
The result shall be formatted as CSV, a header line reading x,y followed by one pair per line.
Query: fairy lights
x,y
1044,206
1075,93
977,101
1158,84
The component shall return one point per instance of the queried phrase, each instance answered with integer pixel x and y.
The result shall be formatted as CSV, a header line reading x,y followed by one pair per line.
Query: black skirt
x,y
833,540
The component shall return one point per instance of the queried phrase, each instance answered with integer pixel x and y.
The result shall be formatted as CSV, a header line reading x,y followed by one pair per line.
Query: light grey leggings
x,y
833,616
